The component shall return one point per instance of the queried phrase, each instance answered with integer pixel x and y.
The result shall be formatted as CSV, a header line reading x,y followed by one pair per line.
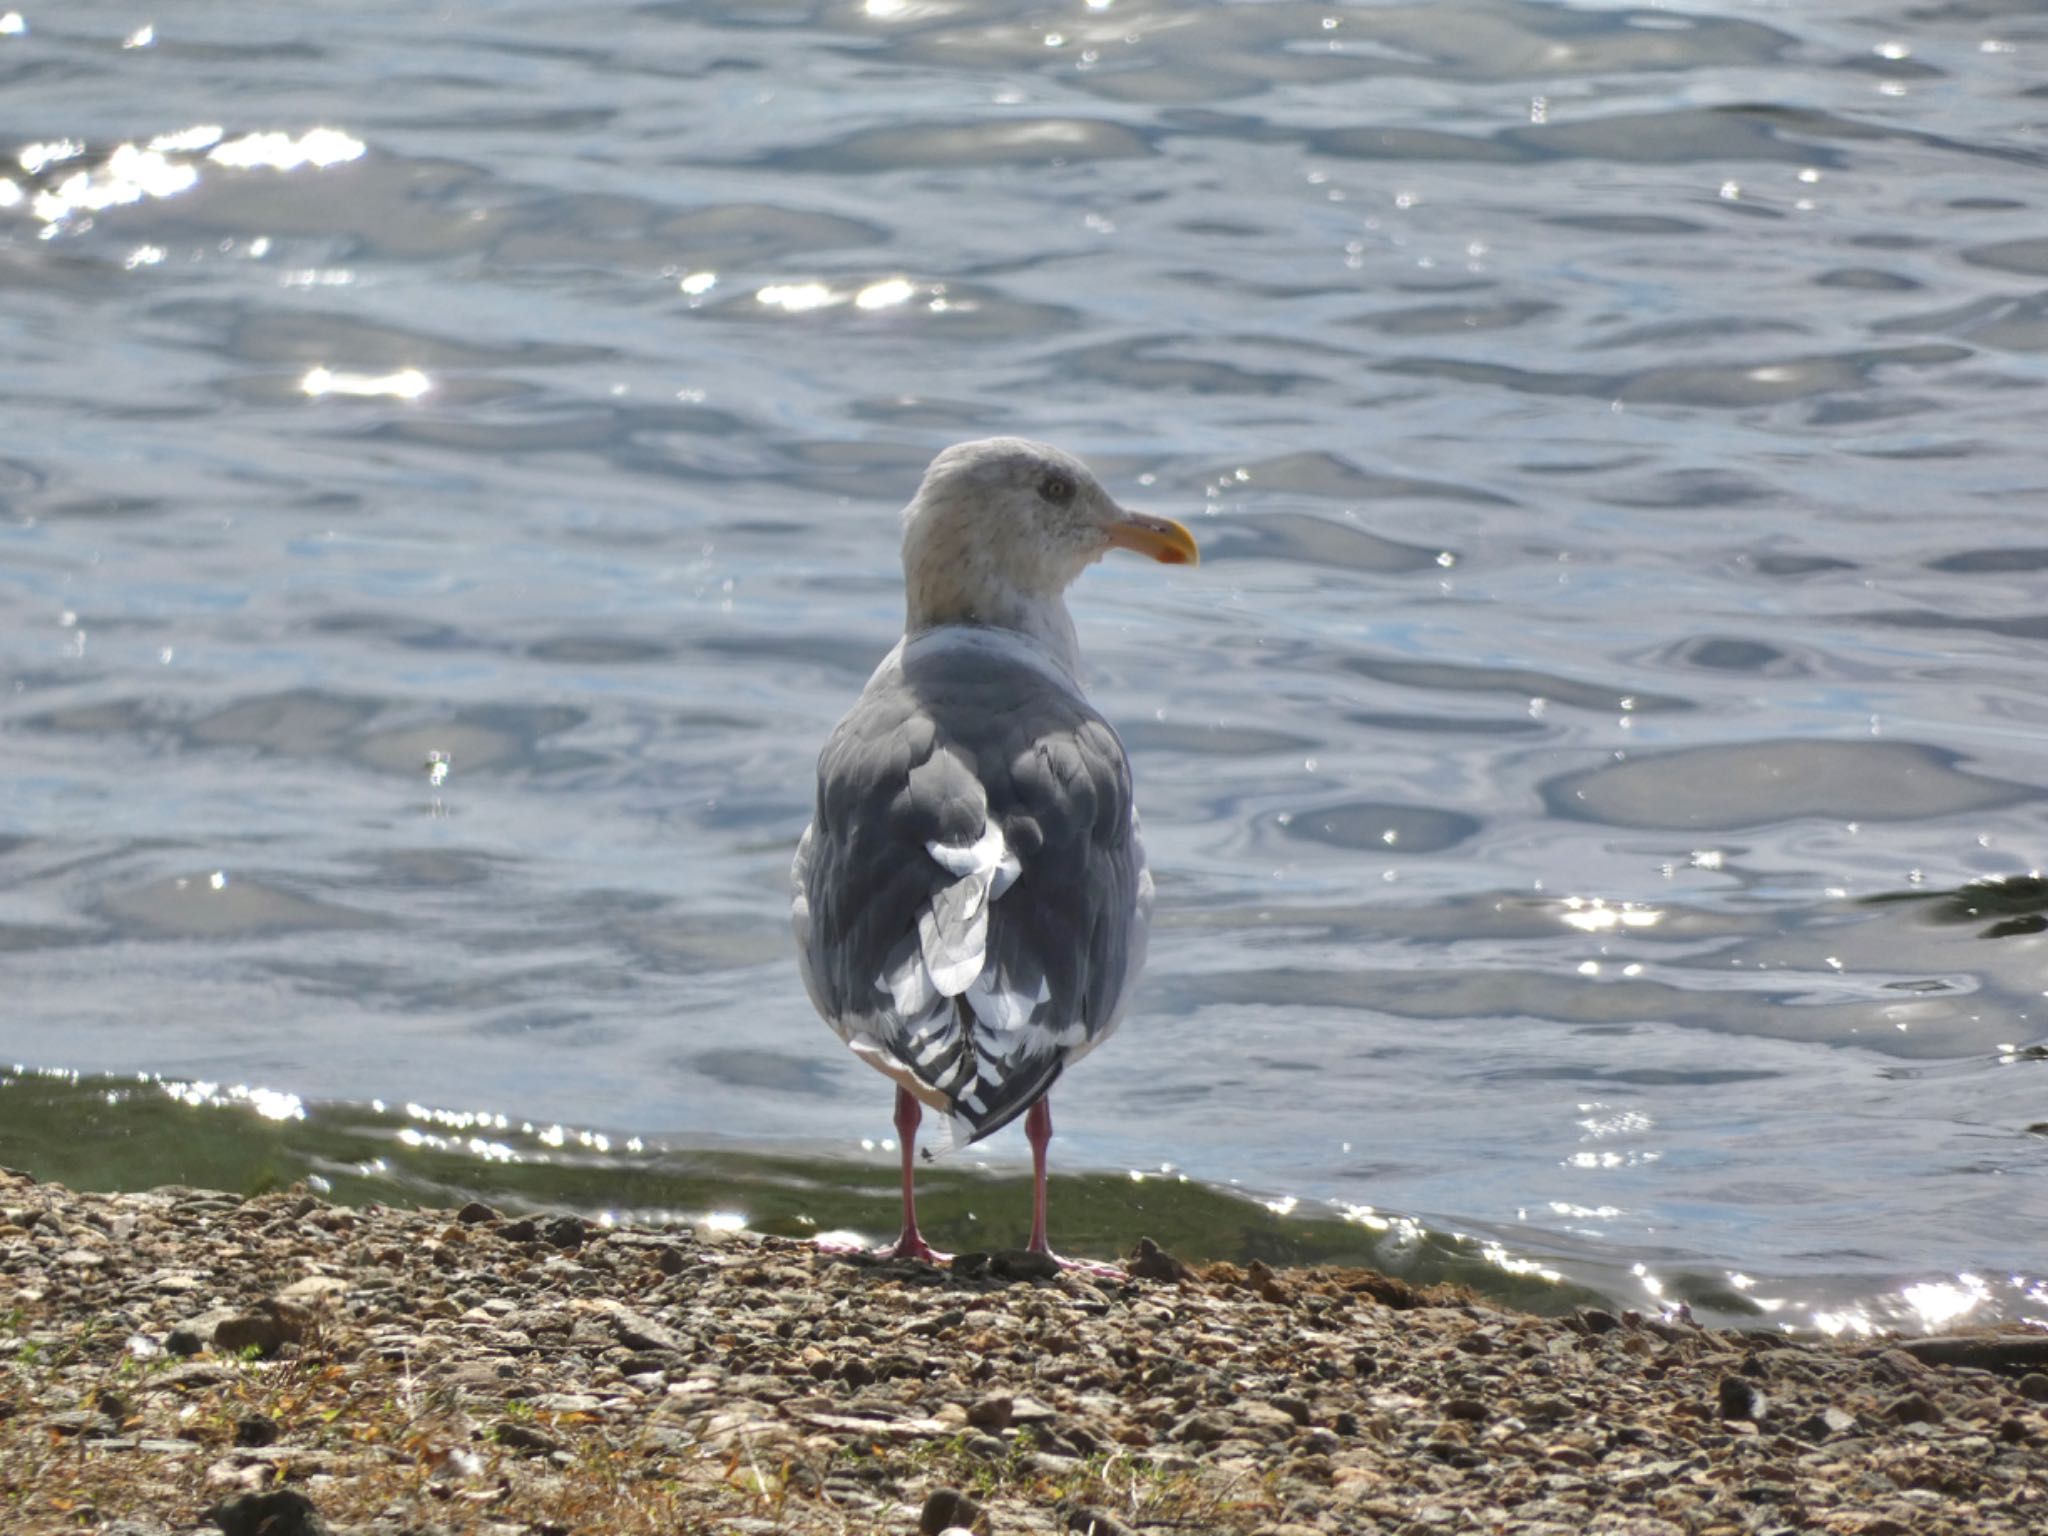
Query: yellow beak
x,y
1160,537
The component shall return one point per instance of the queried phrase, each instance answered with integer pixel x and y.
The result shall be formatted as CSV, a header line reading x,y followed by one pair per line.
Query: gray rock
x,y
991,1412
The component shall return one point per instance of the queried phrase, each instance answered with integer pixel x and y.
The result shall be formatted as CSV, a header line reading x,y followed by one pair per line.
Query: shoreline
x,y
389,1371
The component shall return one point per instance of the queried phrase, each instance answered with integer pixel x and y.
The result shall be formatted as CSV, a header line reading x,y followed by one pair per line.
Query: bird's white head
x,y
1001,527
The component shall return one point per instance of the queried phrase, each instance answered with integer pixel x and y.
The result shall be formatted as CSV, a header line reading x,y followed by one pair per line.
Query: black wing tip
x,y
1013,1099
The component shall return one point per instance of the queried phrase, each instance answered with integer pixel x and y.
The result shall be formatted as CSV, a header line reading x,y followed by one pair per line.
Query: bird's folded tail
x,y
976,1091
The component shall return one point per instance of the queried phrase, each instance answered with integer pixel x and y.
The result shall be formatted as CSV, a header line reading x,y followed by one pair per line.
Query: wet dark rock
x,y
475,1212
524,1230
946,1508
564,1232
1596,1321
857,1373
1913,1408
1739,1400
282,1512
2034,1386
1023,1264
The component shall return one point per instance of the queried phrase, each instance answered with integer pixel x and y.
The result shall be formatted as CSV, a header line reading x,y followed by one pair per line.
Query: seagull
x,y
971,899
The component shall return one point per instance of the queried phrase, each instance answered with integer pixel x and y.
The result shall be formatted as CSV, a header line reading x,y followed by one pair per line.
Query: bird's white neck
x,y
950,577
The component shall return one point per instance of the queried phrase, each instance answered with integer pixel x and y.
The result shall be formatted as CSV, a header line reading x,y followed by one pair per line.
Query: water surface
x,y
449,489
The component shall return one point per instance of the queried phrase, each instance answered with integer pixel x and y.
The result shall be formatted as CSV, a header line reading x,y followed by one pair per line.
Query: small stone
x,y
636,1330
564,1232
475,1212
524,1230
281,1512
2034,1386
1260,1277
1201,1428
991,1412
857,1373
1470,1409
1896,1365
1023,1264
1595,1321
1295,1408
1739,1400
1148,1261
947,1509
256,1430
251,1330
516,1436
1913,1408
183,1341
314,1291
1829,1421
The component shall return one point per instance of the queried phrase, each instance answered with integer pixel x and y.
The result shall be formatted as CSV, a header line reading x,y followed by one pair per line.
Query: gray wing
x,y
971,898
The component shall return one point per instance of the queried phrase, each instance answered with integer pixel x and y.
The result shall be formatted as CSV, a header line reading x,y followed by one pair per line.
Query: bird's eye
x,y
1057,489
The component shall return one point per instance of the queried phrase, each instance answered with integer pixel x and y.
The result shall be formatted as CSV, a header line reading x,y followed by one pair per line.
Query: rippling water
x,y
448,491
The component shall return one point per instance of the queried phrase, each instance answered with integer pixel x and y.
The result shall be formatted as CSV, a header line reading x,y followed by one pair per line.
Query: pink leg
x,y
911,1245
1038,1131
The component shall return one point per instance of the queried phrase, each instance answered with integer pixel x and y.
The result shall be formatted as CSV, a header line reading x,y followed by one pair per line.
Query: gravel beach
x,y
184,1360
